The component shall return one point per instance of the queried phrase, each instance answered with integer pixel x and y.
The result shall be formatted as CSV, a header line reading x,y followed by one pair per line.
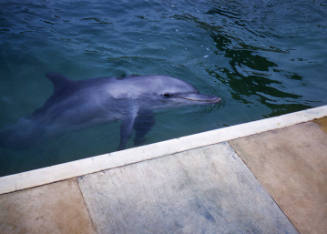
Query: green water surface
x,y
263,58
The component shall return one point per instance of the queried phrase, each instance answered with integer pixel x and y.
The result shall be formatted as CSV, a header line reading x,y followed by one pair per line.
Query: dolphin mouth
x,y
195,97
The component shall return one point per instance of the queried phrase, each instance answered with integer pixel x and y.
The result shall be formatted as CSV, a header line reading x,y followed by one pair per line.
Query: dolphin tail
x,y
21,135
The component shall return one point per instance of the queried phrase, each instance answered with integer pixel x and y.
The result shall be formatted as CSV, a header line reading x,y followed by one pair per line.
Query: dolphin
x,y
83,103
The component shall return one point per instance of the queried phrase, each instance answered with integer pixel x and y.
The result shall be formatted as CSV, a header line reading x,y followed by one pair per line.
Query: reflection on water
x,y
248,72
264,58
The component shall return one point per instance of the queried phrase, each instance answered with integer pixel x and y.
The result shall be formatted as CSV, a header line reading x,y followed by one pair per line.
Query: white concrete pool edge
x,y
94,164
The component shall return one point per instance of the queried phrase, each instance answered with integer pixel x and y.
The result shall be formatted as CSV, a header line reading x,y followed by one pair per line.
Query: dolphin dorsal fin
x,y
59,81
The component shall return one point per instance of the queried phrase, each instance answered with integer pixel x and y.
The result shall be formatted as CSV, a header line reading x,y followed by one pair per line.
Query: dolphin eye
x,y
167,95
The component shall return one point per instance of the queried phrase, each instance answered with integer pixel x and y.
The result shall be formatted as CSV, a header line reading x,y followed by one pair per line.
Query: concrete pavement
x,y
270,182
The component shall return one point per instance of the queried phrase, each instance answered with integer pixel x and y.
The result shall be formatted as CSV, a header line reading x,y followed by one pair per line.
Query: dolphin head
x,y
170,91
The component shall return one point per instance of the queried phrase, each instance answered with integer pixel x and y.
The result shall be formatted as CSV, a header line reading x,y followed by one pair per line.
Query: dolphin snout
x,y
197,97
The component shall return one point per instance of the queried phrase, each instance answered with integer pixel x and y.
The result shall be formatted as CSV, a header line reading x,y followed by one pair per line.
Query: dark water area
x,y
263,58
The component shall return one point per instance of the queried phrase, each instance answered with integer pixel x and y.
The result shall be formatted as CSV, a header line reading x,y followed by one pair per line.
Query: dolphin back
x,y
59,81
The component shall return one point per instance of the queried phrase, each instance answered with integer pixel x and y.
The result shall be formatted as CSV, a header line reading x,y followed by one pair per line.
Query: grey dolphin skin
x,y
78,104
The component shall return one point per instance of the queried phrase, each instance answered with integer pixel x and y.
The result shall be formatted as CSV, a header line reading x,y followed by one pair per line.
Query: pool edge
x,y
116,159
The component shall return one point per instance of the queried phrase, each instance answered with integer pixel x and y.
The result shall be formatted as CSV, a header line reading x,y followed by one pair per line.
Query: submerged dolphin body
x,y
77,104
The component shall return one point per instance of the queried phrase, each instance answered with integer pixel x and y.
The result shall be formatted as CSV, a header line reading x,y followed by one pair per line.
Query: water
x,y
264,58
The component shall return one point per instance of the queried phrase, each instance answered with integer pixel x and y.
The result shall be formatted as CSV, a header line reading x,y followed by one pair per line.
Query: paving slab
x,y
205,190
291,163
322,122
54,208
